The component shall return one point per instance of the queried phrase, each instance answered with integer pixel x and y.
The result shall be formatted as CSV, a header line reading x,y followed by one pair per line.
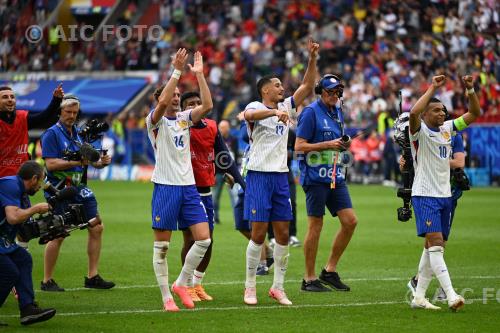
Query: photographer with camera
x,y
58,141
15,262
320,139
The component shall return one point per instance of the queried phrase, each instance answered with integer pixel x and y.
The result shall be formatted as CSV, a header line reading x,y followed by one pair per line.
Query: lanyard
x,y
336,119
70,138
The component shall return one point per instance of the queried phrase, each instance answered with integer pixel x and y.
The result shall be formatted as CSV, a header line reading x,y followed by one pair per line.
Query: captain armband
x,y
460,123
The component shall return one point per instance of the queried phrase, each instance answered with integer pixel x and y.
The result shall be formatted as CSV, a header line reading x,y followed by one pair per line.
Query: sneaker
x,y
183,294
333,280
170,306
97,282
202,294
31,314
50,285
456,304
250,297
423,303
294,241
280,296
262,270
441,295
314,286
192,293
412,285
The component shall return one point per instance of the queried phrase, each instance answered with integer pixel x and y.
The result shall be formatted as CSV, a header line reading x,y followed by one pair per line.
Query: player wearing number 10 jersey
x,y
431,139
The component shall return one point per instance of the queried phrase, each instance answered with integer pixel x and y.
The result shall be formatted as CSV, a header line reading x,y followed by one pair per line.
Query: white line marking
x,y
226,283
230,308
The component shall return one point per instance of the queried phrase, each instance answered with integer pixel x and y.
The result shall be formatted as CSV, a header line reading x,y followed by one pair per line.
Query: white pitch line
x,y
231,308
226,283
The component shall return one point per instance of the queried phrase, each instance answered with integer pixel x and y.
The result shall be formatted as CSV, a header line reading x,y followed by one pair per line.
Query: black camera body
x,y
93,129
402,138
51,226
459,179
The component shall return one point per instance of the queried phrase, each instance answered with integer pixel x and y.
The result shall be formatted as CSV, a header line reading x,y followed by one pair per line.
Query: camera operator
x,y
14,126
58,138
15,262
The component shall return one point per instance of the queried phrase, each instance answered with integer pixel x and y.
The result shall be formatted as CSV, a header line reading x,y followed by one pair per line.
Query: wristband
x,y
176,74
470,91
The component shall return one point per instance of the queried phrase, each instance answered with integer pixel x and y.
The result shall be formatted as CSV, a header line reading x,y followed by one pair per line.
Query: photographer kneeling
x,y
15,262
61,137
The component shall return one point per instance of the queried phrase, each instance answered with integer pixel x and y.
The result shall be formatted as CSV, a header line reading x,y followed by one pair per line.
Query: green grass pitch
x,y
382,256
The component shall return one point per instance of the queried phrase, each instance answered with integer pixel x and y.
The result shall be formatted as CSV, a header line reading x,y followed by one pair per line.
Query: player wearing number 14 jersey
x,y
176,203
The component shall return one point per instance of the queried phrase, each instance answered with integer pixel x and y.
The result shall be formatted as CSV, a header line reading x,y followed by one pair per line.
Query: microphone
x,y
89,153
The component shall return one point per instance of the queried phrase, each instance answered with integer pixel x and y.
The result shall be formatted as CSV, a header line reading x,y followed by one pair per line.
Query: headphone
x,y
73,97
319,86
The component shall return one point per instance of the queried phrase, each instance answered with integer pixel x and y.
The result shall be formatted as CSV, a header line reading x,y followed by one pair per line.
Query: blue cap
x,y
330,82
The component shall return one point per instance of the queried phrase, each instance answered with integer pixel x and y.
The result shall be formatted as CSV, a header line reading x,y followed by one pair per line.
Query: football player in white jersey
x,y
267,197
175,197
430,138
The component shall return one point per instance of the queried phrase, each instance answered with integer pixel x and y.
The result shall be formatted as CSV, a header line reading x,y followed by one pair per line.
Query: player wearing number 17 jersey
x,y
176,203
431,139
267,196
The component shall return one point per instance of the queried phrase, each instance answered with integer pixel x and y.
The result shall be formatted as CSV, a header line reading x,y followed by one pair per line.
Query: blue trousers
x,y
15,271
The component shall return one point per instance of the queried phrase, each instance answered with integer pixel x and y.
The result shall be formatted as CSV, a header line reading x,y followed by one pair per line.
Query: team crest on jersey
x,y
157,218
428,222
446,135
183,124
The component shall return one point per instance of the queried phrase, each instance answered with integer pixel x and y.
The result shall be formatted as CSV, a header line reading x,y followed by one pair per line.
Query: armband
x,y
460,123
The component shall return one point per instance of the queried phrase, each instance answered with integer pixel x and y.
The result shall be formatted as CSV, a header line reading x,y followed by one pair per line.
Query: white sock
x,y
424,274
253,258
441,271
161,268
193,259
280,265
198,277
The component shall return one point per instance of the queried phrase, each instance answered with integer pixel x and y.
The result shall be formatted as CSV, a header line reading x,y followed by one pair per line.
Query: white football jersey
x,y
171,142
431,152
268,139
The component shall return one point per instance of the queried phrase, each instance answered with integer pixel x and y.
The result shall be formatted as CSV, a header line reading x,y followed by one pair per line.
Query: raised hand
x,y
197,66
59,92
468,81
179,59
438,81
313,48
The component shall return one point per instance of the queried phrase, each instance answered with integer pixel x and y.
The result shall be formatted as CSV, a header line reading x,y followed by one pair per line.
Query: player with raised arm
x,y
175,197
431,140
267,196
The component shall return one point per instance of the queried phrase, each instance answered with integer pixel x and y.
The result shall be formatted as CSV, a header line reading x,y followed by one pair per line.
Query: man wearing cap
x,y
319,142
